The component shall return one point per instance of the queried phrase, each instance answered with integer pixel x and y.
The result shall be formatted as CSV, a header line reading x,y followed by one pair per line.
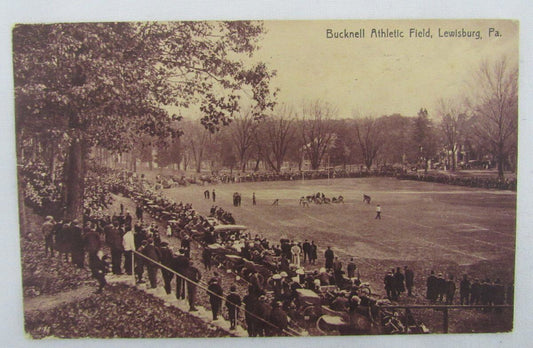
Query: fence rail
x,y
203,286
444,309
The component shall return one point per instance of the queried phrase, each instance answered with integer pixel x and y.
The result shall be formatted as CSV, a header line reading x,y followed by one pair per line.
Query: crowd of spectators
x,y
41,192
274,272
470,181
167,181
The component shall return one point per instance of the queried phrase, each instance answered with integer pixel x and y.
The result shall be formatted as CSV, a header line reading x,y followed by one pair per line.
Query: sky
x,y
380,76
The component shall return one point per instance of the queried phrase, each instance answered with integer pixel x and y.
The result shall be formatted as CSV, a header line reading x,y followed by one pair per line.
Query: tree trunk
x,y
199,163
74,179
501,159
315,163
368,163
454,161
279,164
185,163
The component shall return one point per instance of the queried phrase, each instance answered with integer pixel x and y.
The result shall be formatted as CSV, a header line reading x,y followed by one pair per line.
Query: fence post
x,y
445,320
133,267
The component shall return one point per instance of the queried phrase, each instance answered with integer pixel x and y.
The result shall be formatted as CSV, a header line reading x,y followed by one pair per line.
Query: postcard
x,y
267,178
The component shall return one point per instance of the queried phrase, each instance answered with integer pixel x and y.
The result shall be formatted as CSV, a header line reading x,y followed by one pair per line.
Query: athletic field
x,y
426,225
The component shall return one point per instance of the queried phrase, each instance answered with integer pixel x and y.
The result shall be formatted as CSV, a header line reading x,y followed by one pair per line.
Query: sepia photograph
x,y
266,178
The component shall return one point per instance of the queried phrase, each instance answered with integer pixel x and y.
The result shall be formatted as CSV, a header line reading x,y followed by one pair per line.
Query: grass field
x,y
424,225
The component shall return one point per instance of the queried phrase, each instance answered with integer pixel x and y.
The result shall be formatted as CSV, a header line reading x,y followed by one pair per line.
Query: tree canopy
x,y
106,83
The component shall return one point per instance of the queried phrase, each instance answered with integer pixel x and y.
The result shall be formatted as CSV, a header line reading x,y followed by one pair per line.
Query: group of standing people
x,y
439,289
475,292
212,195
397,282
294,251
237,199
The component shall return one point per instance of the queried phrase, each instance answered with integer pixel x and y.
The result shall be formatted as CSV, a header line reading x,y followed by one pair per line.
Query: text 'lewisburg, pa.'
x,y
414,33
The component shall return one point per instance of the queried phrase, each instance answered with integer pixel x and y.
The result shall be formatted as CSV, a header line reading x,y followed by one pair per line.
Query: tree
x,y
423,144
197,140
224,152
369,137
243,134
495,108
341,149
276,134
453,126
396,129
105,83
169,151
144,148
316,130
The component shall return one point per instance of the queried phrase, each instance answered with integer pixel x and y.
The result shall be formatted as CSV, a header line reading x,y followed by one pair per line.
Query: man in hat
x,y
499,294
275,284
166,260
91,240
278,317
180,263
257,281
263,311
99,267
484,292
441,287
351,268
206,258
250,306
295,252
186,246
114,240
284,264
337,271
47,231
140,262
313,253
399,278
139,212
194,276
450,290
464,290
389,285
62,236
233,301
431,283
329,256
215,297
409,280
378,212
214,196
128,244
475,291
306,247
76,235
127,221
154,255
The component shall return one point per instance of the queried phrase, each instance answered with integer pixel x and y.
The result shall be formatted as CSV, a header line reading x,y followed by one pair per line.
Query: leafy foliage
x,y
106,84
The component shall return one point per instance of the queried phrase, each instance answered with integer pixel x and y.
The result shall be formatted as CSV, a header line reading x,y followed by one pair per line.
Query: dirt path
x,y
46,302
